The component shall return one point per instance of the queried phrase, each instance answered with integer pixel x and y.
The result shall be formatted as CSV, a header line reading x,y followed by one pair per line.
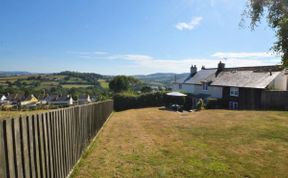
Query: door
x,y
233,105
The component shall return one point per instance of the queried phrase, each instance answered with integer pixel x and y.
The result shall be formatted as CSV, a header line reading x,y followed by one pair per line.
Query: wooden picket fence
x,y
49,144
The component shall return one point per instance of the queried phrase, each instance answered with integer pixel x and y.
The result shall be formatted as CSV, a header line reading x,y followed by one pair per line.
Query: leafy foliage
x,y
91,78
123,83
55,84
146,89
200,105
124,101
277,16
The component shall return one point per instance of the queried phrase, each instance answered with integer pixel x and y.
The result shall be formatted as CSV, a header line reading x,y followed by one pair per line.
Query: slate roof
x,y
15,97
245,79
204,75
84,97
52,98
242,77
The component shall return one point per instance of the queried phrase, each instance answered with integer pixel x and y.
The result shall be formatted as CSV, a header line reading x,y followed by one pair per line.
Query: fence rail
x,y
49,144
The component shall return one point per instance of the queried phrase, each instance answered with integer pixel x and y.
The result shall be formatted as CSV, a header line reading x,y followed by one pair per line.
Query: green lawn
x,y
213,143
104,84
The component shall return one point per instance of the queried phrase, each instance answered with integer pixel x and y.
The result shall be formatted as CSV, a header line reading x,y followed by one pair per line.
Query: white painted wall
x,y
185,88
3,98
280,82
214,92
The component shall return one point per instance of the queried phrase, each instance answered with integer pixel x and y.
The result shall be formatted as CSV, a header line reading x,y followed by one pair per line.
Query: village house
x,y
3,99
84,99
15,99
29,101
238,88
42,99
66,100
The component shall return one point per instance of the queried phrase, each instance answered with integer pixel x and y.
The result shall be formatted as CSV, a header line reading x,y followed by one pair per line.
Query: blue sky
x,y
128,36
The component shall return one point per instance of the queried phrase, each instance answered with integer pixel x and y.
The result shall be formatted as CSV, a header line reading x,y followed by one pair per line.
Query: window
x,y
205,86
233,105
180,86
234,91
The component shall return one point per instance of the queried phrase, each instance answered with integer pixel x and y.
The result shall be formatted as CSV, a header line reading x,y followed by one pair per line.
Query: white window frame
x,y
234,91
205,86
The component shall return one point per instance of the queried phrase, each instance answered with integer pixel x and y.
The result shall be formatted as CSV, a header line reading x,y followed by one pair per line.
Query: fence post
x,y
10,149
49,144
3,166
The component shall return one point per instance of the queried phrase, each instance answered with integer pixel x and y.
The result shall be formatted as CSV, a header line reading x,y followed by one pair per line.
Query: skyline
x,y
128,37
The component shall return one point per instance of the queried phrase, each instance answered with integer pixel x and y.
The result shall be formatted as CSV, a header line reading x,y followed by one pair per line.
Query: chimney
x,y
221,66
193,70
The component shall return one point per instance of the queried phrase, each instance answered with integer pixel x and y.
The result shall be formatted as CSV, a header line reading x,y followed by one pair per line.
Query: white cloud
x,y
145,64
149,64
243,55
88,54
189,25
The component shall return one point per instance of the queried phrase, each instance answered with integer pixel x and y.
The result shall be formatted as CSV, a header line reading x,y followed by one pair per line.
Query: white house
x,y
60,100
3,98
240,87
84,99
198,83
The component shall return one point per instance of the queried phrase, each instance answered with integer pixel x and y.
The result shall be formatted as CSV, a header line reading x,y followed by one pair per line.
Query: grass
x,y
11,79
11,114
213,143
104,84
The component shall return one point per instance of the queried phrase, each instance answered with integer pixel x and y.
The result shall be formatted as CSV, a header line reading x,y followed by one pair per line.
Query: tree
x,y
146,89
122,83
277,17
1,90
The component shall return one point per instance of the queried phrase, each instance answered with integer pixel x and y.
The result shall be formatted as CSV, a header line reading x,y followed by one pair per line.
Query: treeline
x,y
124,101
54,84
91,78
57,90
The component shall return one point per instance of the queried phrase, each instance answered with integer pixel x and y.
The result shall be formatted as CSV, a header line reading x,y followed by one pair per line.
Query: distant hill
x,y
14,73
63,83
164,79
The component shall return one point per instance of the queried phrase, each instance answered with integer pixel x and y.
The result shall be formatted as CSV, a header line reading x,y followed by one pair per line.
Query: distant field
x,y
11,79
76,86
104,84
213,143
48,81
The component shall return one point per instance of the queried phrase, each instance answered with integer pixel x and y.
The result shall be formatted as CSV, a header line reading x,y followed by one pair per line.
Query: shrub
x,y
124,101
200,105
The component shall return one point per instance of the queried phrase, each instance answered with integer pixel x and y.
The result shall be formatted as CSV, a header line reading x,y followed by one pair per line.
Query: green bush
x,y
124,101
200,105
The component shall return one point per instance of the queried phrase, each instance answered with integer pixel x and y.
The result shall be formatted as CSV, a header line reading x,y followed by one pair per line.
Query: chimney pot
x,y
193,70
221,66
